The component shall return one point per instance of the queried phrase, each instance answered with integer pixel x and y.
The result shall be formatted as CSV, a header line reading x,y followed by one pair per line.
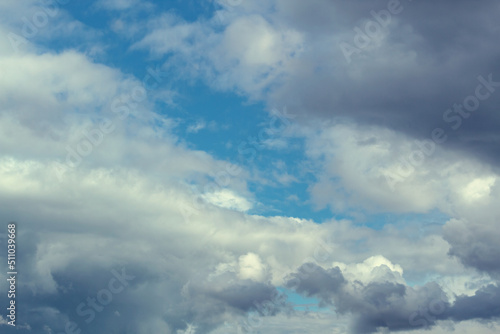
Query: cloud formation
x,y
115,234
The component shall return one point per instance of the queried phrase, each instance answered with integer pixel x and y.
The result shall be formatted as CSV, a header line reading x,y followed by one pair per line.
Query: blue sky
x,y
210,156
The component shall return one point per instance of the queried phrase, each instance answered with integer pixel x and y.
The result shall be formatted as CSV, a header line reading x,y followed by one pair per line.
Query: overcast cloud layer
x,y
141,208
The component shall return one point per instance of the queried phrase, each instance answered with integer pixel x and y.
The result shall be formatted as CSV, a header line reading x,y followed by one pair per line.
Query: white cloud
x,y
254,42
200,125
478,189
374,168
194,128
374,269
248,55
251,267
228,199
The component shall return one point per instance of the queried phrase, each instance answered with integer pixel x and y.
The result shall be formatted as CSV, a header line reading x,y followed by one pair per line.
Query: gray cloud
x,y
476,245
428,59
392,306
313,280
374,305
484,304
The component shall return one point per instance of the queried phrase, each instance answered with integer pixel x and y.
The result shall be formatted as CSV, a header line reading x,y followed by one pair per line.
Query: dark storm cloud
x,y
479,254
116,296
484,304
245,295
313,280
475,246
392,306
430,58
82,296
207,303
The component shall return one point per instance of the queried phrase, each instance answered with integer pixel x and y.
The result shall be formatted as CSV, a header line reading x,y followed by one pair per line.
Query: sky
x,y
237,166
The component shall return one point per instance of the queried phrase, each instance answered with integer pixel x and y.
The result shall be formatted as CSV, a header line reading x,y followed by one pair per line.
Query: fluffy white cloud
x,y
251,267
228,199
381,170
249,55
374,269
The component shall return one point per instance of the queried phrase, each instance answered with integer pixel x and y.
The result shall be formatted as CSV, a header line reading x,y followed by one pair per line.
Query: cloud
x,y
474,243
228,199
374,269
251,267
194,128
374,305
247,56
387,302
320,283
411,77
200,125
376,169
482,305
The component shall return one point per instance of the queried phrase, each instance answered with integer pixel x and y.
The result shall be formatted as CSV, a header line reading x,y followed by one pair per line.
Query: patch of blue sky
x,y
216,122
302,303
189,10
292,200
424,223
228,128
